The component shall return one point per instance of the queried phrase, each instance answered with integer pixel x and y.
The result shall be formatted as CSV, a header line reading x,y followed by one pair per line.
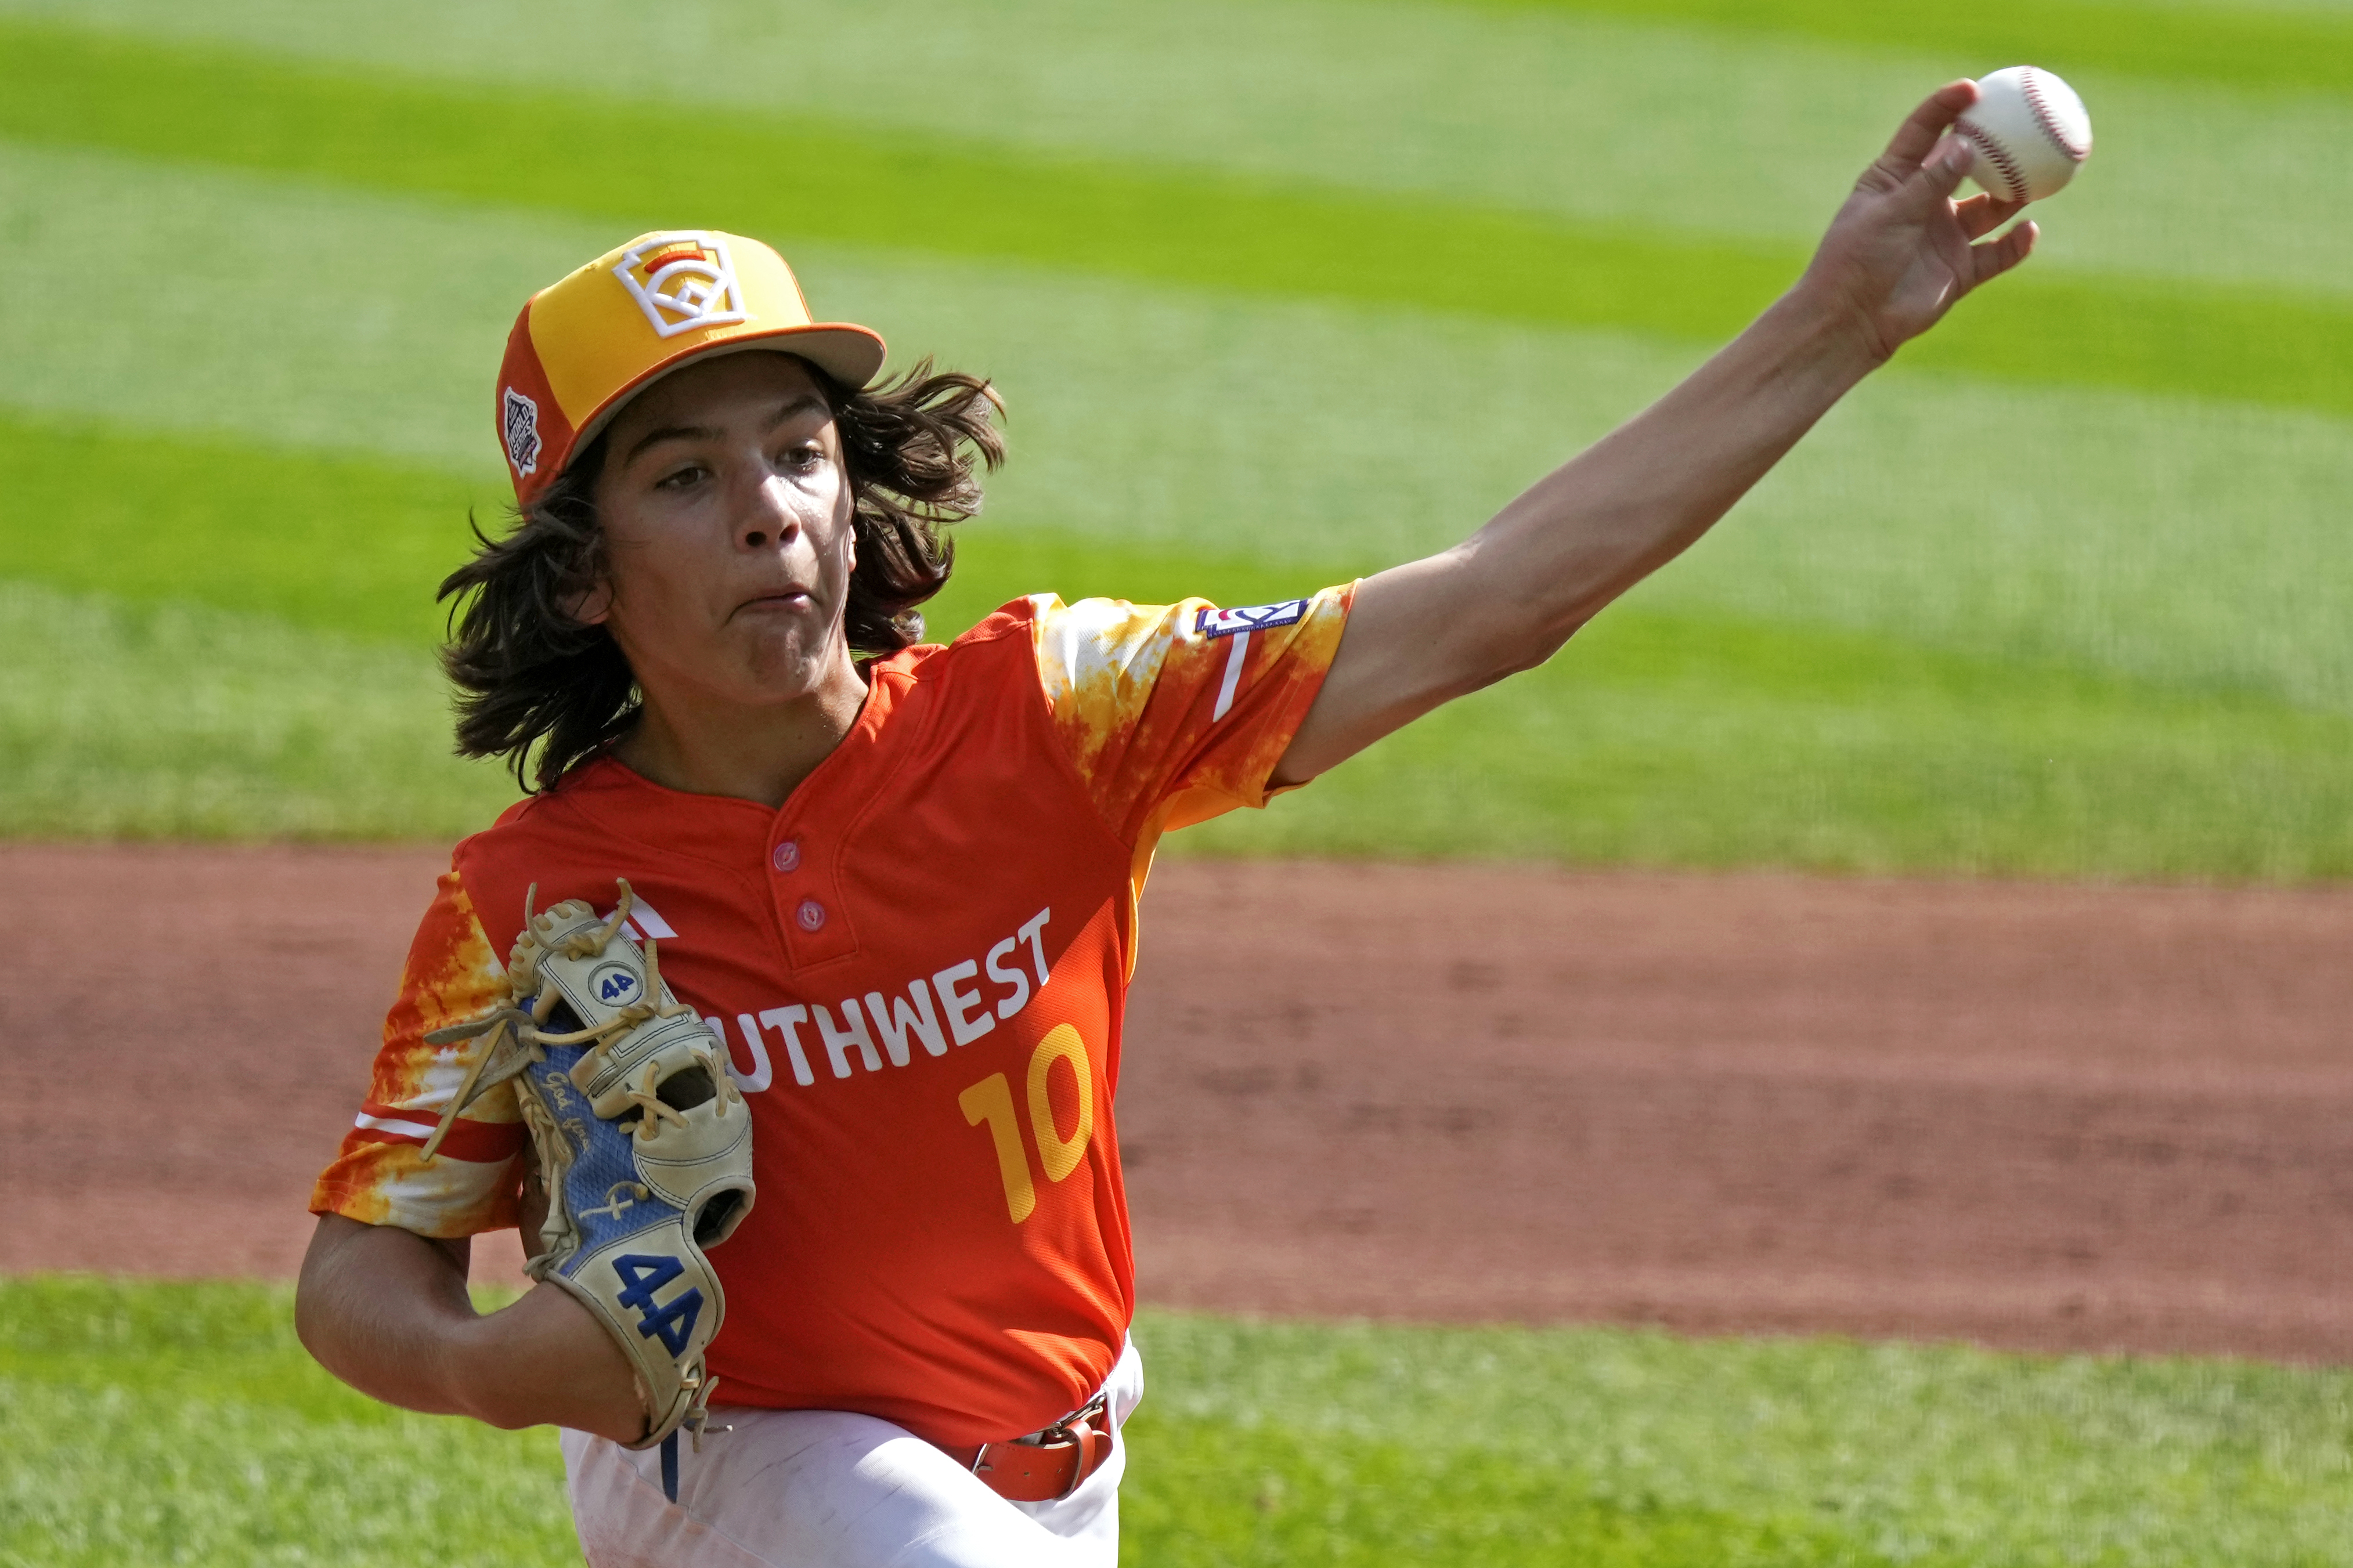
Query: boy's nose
x,y
768,518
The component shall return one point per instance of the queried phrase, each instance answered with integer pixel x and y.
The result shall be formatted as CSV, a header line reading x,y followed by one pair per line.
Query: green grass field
x,y
177,1423
1279,293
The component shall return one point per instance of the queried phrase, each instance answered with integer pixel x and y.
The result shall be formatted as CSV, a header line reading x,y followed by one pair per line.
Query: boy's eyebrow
x,y
659,433
807,402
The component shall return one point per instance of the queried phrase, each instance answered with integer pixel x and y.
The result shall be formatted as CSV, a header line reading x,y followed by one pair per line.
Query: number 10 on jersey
x,y
989,1103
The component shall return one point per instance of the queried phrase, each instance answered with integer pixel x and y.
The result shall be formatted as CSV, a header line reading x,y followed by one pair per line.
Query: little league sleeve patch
x,y
1255,618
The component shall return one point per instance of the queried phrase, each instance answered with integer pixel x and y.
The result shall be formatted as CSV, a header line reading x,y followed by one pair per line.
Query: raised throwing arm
x,y
1899,254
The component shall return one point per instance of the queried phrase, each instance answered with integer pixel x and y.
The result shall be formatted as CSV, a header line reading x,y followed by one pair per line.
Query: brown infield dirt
x,y
2044,1117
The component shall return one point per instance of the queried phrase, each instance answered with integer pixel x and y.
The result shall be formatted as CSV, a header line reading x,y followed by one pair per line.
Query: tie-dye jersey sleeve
x,y
1176,713
380,1177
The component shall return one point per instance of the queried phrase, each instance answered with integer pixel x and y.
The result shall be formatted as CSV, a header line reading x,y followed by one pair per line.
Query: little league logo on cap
x,y
682,282
587,344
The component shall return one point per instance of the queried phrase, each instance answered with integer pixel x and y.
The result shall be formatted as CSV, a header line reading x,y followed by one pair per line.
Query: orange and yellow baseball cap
x,y
587,344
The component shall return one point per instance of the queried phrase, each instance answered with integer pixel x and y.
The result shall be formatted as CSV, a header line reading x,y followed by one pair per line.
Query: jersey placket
x,y
803,861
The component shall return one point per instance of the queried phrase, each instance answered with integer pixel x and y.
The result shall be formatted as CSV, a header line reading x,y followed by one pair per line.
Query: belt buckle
x,y
1059,1431
1096,1410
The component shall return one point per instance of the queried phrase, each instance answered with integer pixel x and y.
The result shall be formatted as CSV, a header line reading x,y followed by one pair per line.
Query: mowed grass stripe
x,y
792,180
153,700
1691,128
178,721
348,546
181,1422
2241,46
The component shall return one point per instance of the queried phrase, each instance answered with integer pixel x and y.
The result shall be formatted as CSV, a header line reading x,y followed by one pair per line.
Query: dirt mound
x,y
2047,1117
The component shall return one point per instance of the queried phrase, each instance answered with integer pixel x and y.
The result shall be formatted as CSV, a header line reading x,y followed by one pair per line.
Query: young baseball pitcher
x,y
785,1012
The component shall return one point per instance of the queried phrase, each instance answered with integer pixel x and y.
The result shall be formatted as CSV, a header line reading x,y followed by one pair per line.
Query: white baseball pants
x,y
826,1489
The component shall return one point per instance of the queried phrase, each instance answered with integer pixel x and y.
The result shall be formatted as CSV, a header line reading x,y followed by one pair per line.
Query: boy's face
x,y
727,522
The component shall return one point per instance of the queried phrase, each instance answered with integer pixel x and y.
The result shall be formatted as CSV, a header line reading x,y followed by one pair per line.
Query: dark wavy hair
x,y
547,692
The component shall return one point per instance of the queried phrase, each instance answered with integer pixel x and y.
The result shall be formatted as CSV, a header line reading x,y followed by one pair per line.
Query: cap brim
x,y
851,355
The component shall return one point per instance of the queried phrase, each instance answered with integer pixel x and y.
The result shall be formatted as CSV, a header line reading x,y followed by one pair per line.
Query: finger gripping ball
x,y
2026,133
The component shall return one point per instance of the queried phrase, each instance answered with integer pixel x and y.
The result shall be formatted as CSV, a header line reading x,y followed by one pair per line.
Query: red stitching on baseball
x,y
2012,175
2030,82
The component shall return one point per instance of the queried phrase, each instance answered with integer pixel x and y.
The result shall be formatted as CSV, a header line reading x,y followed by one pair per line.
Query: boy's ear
x,y
591,606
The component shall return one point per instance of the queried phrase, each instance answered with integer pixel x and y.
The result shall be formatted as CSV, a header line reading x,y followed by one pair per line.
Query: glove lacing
x,y
512,1022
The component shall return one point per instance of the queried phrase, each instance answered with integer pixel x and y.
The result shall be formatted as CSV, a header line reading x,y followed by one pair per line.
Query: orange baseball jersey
x,y
919,964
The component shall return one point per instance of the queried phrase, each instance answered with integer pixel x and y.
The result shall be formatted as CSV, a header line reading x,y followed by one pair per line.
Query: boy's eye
x,y
678,478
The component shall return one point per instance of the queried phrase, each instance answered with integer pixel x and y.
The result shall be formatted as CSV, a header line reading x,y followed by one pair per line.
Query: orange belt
x,y
1049,1464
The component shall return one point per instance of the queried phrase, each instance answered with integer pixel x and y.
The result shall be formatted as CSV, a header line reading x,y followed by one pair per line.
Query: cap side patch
x,y
519,424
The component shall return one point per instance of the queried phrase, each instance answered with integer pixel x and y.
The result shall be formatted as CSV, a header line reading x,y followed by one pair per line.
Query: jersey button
x,y
810,916
787,858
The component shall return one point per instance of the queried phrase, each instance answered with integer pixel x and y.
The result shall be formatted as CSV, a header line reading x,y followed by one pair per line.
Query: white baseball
x,y
2028,131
